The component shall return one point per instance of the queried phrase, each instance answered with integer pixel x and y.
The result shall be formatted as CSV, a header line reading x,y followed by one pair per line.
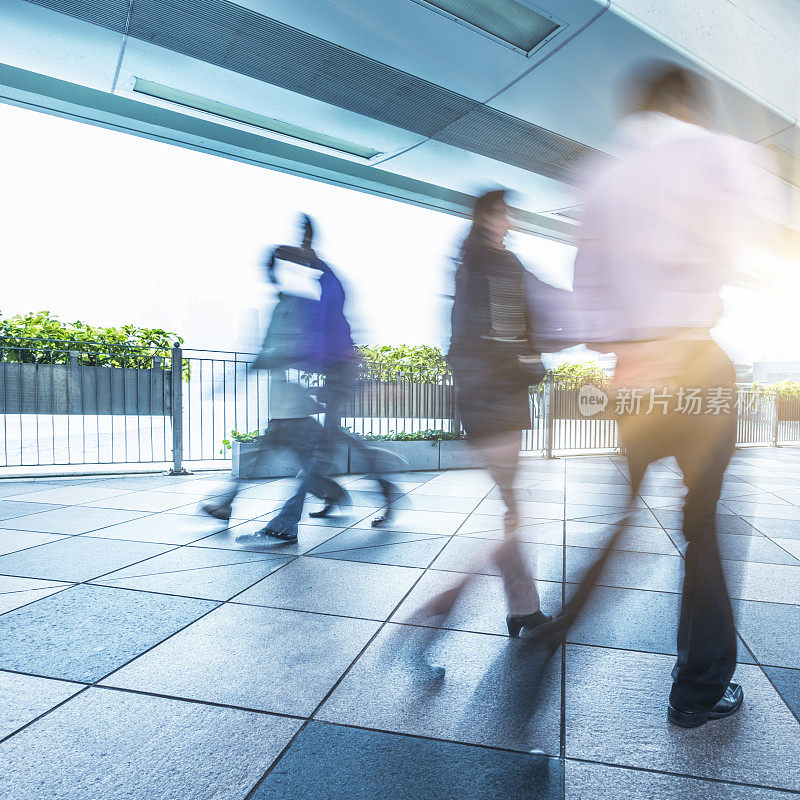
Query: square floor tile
x,y
433,502
776,528
770,511
480,608
594,782
244,509
11,541
629,620
23,698
787,682
166,528
71,520
404,768
526,508
468,554
495,691
640,517
122,746
629,570
258,658
616,713
85,632
17,592
772,632
327,586
436,522
11,509
776,583
487,526
211,574
69,495
150,500
637,539
596,498
12,488
382,547
448,490
77,558
756,549
791,546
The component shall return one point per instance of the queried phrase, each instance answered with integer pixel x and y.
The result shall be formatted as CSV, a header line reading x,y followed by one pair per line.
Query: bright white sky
x,y
111,228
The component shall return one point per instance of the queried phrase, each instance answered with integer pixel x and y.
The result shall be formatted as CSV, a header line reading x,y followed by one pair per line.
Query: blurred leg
x,y
501,456
706,629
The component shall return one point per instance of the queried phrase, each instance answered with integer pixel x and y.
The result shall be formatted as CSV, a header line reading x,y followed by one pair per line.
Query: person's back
x,y
660,230
658,241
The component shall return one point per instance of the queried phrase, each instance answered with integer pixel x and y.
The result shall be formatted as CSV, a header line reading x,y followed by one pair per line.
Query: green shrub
x,y
420,363
126,346
238,437
418,436
575,375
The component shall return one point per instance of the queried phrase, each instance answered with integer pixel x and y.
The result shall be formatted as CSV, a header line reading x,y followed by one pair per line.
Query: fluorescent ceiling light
x,y
509,21
250,118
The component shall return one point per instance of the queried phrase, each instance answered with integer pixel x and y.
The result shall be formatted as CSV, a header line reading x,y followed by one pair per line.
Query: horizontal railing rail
x,y
69,402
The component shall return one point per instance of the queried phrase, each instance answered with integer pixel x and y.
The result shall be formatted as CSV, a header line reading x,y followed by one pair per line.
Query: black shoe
x,y
730,703
516,622
390,494
330,504
221,511
265,535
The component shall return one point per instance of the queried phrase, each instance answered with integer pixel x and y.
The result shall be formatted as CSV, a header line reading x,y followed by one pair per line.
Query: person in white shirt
x,y
658,240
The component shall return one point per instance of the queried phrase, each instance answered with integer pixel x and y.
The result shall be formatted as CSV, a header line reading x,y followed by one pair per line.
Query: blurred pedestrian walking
x,y
493,366
308,335
658,241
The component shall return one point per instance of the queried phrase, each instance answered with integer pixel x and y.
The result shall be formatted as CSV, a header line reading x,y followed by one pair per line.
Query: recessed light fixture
x,y
508,21
234,114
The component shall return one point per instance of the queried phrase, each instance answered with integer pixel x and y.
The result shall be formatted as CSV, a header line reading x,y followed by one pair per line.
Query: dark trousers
x,y
304,437
702,444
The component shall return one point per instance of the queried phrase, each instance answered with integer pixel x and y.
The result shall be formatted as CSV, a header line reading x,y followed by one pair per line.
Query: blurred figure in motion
x,y
658,241
493,366
308,332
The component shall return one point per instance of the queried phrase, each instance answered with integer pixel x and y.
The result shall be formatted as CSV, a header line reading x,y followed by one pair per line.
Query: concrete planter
x,y
78,389
457,455
249,461
415,456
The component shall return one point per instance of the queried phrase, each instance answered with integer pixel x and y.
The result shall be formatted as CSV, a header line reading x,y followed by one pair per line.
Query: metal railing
x,y
71,403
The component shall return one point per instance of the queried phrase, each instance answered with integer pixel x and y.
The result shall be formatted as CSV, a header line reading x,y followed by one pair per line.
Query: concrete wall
x,y
753,41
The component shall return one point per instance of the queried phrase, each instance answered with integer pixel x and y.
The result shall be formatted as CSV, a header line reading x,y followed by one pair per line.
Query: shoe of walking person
x,y
390,494
525,624
276,529
339,499
726,706
217,510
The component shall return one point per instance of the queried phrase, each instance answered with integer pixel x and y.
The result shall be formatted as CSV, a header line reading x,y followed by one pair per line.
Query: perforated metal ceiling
x,y
238,39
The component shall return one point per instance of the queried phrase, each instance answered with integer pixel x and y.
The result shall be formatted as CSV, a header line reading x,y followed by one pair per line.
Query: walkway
x,y
144,656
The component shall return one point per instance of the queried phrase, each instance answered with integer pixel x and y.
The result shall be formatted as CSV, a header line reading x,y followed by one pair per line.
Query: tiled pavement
x,y
144,655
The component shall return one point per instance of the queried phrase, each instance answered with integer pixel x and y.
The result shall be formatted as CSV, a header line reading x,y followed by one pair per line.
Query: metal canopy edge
x,y
43,93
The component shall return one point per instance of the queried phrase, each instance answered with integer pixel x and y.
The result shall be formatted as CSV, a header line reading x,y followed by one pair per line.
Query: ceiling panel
x,y
575,91
38,39
472,174
162,66
407,36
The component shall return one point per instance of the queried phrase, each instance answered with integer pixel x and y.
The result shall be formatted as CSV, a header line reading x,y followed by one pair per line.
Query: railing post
x,y
550,395
176,380
776,412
